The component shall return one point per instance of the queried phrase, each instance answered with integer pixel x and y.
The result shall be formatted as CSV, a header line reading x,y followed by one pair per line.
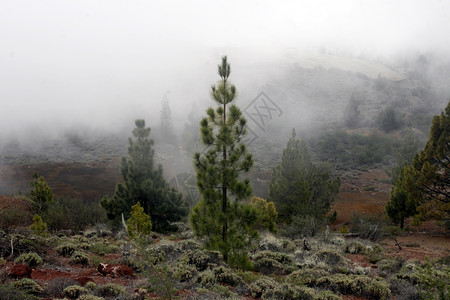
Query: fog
x,y
98,65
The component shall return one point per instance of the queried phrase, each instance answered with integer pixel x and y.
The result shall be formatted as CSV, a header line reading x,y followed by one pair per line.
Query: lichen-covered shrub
x,y
90,285
286,291
28,286
269,266
355,247
359,285
189,244
102,248
90,297
262,285
11,293
110,290
331,258
30,259
79,257
271,243
227,276
389,266
202,259
183,272
306,277
66,249
74,291
327,295
206,278
278,256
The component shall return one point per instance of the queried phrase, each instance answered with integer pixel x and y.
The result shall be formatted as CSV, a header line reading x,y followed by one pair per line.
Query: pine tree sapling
x,y
139,223
298,187
144,183
41,196
218,217
38,226
402,204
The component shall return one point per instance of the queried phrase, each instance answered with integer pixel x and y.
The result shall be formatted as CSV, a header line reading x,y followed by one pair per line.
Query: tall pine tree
x,y
298,187
225,224
144,183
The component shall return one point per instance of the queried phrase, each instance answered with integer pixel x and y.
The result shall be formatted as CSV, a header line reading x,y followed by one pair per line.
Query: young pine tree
x,y
41,196
298,187
218,217
144,183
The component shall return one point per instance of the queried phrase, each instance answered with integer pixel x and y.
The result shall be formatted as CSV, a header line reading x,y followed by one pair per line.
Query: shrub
x,y
66,249
306,277
74,291
101,248
90,297
331,259
183,272
225,275
369,227
286,291
189,244
261,285
90,285
360,285
202,259
55,287
8,292
269,266
30,259
79,257
389,266
355,247
110,290
206,278
326,295
14,216
28,286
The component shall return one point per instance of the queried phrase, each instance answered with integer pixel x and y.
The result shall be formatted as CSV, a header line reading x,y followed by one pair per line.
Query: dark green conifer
x,y
144,183
218,217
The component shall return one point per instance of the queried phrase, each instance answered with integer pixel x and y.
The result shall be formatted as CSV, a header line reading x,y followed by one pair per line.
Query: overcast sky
x,y
64,62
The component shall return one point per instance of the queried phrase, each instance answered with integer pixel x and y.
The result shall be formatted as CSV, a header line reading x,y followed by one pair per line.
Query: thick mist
x,y
92,67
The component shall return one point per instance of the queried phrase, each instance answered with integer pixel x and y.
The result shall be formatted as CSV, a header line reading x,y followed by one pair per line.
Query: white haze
x,y
100,64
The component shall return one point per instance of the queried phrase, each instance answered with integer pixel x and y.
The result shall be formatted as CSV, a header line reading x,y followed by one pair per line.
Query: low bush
x,y
28,286
102,248
30,259
202,259
80,258
110,290
260,286
74,291
359,285
66,249
355,247
286,291
8,292
371,227
306,277
389,266
331,259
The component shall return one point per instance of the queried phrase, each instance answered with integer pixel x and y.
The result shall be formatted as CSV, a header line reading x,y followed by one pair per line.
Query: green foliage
x,y
74,291
434,281
226,225
74,214
13,216
38,226
302,226
139,223
431,169
41,196
300,188
28,286
402,204
66,249
260,286
80,258
110,290
360,285
351,112
9,292
31,259
355,247
388,119
308,277
331,259
144,183
267,213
